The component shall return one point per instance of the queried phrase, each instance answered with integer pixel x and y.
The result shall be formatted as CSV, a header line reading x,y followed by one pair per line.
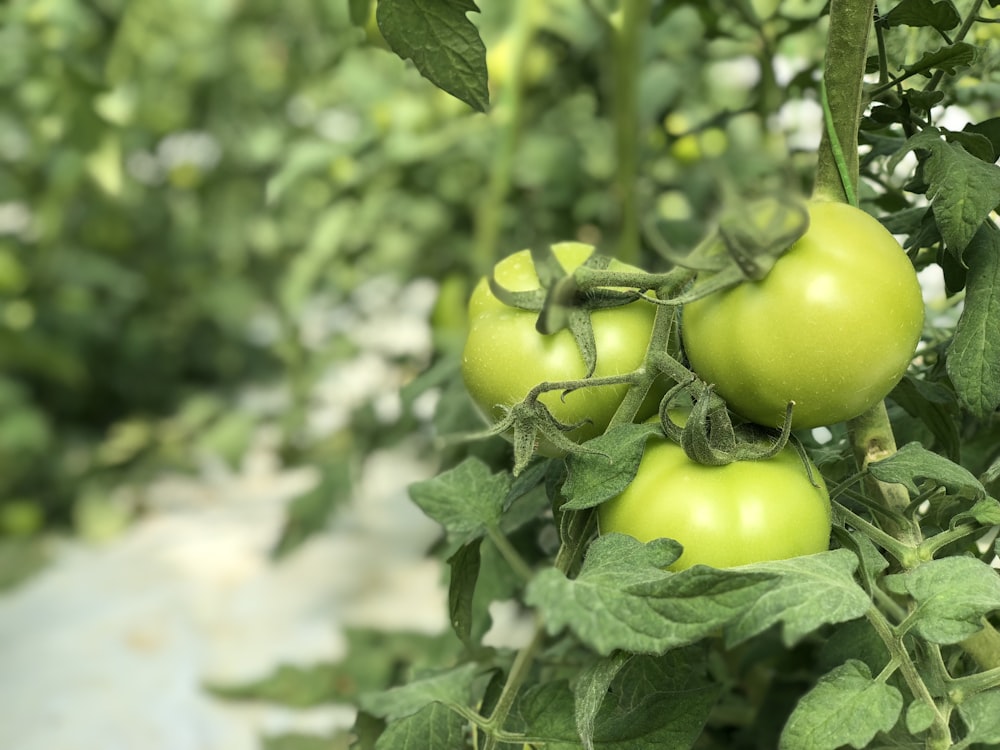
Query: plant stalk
x,y
507,116
626,64
843,73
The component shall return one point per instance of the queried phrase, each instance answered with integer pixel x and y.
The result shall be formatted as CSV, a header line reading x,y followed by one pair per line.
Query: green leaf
x,y
985,512
624,599
589,691
806,593
939,14
432,726
973,361
948,59
952,595
467,500
976,144
594,478
981,714
990,129
449,687
913,463
650,703
308,513
441,41
962,189
919,717
846,707
370,664
464,566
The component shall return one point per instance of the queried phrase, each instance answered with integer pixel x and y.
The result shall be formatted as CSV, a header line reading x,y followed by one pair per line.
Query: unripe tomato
x,y
832,327
723,516
505,356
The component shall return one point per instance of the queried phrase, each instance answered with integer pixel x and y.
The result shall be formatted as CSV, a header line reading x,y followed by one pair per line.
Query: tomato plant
x,y
739,513
505,356
709,586
832,327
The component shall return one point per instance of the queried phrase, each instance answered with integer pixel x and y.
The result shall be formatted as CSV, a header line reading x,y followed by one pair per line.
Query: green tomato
x,y
832,327
723,516
505,356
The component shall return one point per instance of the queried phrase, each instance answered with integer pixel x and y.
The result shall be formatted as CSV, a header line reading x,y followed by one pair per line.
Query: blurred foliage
x,y
193,194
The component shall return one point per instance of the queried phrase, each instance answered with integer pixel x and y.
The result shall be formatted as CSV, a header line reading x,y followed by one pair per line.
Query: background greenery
x,y
182,183
201,197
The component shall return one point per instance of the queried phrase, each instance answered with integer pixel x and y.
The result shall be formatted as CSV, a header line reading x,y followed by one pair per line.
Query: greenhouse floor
x,y
110,647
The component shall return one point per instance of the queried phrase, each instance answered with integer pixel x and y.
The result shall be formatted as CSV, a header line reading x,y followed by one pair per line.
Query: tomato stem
x,y
872,440
506,117
626,65
843,74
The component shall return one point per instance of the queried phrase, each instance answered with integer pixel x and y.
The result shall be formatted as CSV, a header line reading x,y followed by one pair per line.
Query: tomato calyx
x,y
709,436
529,422
749,239
562,303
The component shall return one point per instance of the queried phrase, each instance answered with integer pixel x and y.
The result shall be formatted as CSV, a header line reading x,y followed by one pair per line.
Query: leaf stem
x,y
515,678
510,554
901,656
963,31
889,543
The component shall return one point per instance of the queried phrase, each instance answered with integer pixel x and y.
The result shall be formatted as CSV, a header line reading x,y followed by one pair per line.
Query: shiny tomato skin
x,y
723,516
505,356
832,327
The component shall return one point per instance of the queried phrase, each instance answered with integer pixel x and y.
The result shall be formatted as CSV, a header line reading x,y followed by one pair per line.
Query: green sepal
x,y
747,243
709,435
760,232
533,300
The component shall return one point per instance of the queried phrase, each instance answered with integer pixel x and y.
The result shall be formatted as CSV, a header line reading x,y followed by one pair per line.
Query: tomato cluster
x,y
831,328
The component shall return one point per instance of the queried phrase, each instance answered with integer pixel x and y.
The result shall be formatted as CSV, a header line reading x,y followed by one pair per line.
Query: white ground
x,y
109,647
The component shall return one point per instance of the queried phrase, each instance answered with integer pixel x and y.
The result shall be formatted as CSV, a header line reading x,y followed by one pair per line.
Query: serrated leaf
x,y
449,687
913,463
952,595
806,593
990,129
651,703
985,512
962,189
973,361
594,478
441,41
939,14
981,714
624,599
467,500
975,144
948,59
820,720
432,726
